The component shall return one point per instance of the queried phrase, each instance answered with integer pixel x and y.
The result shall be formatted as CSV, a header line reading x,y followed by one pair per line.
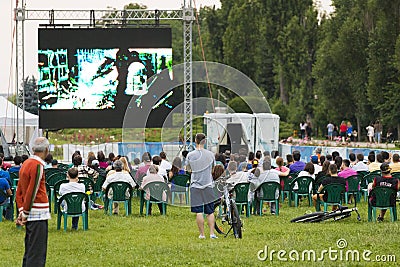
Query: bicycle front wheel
x,y
221,224
236,222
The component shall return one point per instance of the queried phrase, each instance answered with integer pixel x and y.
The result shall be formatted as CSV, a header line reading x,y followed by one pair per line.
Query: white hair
x,y
40,144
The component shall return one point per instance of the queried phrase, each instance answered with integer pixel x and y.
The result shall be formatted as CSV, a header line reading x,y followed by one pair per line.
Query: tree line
x,y
339,67
344,66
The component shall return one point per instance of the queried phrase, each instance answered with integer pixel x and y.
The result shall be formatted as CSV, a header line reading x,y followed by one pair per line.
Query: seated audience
x,y
298,165
165,164
72,187
267,175
176,168
48,160
372,164
102,159
54,163
385,180
332,178
345,170
153,176
317,167
235,176
395,166
17,164
118,176
360,165
84,170
4,165
5,174
6,188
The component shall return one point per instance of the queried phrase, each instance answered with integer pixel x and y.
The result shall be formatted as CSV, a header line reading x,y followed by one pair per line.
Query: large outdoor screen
x,y
87,77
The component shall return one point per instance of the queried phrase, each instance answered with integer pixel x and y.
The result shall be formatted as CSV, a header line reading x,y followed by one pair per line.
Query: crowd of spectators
x,y
253,167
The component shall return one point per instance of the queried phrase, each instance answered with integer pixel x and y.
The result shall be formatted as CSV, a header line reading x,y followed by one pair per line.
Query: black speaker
x,y
235,132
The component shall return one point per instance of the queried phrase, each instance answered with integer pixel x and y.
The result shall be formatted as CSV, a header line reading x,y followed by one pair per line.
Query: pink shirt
x,y
347,173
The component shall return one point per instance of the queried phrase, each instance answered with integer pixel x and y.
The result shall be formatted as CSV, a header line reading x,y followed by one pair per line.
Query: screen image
x,y
87,77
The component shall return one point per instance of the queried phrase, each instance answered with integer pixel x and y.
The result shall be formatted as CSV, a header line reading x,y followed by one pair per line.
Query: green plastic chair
x,y
242,197
269,190
50,171
56,190
367,179
334,195
89,185
14,176
157,190
317,183
377,172
285,190
353,188
362,173
180,186
304,183
63,167
396,175
74,208
97,187
5,205
385,198
119,191
51,181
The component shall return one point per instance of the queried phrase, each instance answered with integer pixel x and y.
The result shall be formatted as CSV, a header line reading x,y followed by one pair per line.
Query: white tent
x,y
260,130
9,122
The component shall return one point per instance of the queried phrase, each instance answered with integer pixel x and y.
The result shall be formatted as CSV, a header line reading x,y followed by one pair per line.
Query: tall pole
x,y
19,72
188,17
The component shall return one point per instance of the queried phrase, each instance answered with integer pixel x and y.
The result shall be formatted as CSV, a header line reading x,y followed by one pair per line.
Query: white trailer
x,y
260,131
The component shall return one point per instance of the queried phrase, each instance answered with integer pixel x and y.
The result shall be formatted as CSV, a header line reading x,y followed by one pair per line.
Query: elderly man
x,y
118,176
267,175
235,176
33,204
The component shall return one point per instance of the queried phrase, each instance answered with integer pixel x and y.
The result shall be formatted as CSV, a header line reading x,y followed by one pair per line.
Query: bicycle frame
x,y
336,215
229,203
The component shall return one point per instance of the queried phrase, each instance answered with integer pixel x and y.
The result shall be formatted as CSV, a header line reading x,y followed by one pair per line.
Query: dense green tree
x,y
31,95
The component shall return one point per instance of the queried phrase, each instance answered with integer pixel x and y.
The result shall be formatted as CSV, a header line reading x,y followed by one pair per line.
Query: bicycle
x,y
319,216
230,220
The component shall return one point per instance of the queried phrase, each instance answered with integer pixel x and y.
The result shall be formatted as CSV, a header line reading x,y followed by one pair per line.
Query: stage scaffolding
x,y
113,18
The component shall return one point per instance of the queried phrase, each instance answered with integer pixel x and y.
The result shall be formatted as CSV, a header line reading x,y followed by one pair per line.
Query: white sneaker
x,y
202,237
213,236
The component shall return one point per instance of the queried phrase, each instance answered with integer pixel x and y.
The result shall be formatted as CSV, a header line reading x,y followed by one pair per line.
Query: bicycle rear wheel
x,y
312,217
236,222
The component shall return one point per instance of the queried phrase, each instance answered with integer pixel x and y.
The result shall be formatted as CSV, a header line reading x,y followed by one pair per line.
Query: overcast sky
x,y
7,25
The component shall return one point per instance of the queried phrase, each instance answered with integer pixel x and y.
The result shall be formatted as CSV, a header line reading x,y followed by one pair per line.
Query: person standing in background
x,y
370,133
202,196
330,128
378,131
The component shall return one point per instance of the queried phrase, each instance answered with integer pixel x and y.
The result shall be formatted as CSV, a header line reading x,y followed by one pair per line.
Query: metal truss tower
x,y
186,14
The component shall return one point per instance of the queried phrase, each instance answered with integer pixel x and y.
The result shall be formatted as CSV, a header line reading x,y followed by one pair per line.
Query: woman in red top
x,y
343,131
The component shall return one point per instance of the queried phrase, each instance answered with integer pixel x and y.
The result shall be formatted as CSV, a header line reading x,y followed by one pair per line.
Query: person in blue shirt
x,y
17,164
5,187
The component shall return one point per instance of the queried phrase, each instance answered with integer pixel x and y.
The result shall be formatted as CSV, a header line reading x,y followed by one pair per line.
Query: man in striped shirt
x,y
33,205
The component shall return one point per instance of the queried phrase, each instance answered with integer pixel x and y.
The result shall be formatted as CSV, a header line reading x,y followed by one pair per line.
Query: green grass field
x,y
173,240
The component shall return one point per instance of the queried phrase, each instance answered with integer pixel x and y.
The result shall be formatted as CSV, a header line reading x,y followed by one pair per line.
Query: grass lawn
x,y
173,240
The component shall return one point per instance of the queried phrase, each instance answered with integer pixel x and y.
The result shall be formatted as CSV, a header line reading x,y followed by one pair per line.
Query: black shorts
x,y
202,200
